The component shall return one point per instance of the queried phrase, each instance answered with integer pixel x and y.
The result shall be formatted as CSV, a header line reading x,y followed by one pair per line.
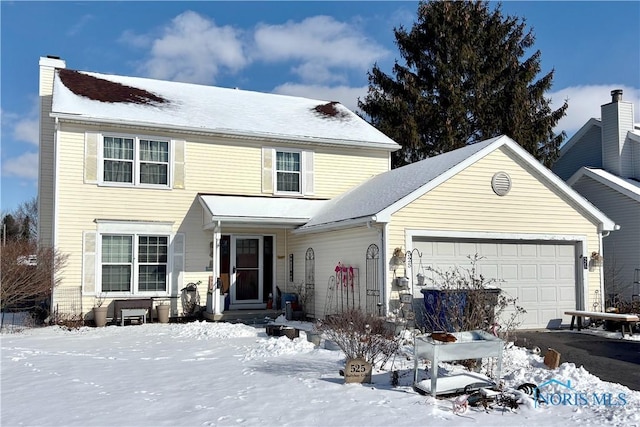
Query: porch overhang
x,y
257,211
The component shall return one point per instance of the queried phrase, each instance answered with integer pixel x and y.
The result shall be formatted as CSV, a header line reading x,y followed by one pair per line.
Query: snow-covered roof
x,y
191,107
382,195
628,187
265,210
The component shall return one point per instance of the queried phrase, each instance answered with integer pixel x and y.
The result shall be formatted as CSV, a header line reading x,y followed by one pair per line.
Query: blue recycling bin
x,y
444,309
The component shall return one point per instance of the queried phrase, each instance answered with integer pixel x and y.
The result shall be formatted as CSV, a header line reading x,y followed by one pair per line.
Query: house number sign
x,y
357,371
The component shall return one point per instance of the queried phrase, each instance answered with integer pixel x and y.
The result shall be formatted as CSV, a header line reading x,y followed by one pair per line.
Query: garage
x,y
540,274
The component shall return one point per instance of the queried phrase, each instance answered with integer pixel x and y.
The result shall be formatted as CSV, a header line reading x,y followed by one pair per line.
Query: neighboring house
x,y
149,185
602,163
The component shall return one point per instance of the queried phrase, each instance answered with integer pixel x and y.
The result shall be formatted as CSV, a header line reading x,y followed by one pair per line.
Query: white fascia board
x,y
230,133
485,235
588,173
348,223
633,136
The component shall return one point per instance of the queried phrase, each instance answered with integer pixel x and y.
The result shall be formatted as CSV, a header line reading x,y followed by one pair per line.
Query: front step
x,y
249,317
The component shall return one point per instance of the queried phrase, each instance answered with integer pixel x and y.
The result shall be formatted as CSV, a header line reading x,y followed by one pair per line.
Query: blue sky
x,y
321,50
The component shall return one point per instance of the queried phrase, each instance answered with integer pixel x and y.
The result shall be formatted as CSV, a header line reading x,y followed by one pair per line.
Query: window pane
x,y
117,249
116,278
118,148
154,151
287,161
152,278
288,182
153,249
154,162
115,171
152,173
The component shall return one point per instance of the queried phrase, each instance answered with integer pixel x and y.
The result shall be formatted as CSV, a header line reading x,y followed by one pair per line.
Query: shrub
x,y
361,335
469,301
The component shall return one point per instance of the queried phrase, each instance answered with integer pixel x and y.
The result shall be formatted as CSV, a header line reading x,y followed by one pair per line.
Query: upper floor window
x,y
135,161
288,171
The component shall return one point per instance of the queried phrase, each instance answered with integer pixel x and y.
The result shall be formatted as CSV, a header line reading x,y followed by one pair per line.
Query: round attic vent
x,y
501,183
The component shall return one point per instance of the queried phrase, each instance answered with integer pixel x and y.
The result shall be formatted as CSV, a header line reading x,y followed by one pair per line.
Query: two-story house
x,y
149,185
602,163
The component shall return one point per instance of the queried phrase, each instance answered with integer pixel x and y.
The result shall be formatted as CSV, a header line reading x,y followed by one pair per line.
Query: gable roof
x,y
627,187
578,135
197,108
379,197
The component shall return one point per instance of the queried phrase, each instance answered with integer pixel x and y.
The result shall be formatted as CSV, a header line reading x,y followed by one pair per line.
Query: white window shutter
x,y
179,147
91,158
89,262
307,162
267,170
178,250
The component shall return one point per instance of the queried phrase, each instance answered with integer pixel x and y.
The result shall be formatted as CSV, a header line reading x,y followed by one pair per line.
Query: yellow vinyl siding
x,y
348,247
466,202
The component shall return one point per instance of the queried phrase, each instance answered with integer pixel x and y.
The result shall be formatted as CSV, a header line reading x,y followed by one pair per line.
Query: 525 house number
x,y
358,368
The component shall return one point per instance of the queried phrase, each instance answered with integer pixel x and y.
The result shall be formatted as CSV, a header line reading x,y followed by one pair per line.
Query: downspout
x,y
54,231
216,268
602,235
383,244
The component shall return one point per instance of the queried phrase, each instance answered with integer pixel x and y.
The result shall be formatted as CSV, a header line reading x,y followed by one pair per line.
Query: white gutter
x,y
229,133
337,225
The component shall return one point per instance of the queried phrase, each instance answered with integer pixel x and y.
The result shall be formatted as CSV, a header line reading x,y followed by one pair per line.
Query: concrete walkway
x,y
610,359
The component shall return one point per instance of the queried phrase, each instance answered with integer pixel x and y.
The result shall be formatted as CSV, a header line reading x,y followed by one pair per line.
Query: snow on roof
x,y
243,209
142,101
385,189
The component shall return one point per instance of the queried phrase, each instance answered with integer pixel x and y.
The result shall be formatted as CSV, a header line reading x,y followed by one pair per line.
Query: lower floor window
x,y
134,263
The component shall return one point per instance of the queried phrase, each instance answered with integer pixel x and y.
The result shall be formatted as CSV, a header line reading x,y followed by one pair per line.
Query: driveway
x,y
612,360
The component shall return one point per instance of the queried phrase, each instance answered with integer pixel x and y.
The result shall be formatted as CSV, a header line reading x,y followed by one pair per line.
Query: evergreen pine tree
x,y
463,81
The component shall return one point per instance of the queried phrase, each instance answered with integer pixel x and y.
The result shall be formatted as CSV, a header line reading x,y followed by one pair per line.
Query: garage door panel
x,y
528,295
548,294
488,249
509,251
566,251
528,251
528,272
444,249
541,275
509,272
566,272
547,272
465,249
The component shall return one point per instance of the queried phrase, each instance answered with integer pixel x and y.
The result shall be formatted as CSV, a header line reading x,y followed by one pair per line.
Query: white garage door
x,y
541,275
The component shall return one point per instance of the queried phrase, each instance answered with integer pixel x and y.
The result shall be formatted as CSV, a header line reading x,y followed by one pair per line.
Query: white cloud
x,y
78,26
347,96
23,166
192,49
585,101
27,129
320,43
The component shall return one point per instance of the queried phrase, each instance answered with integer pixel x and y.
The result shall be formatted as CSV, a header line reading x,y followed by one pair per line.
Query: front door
x,y
246,271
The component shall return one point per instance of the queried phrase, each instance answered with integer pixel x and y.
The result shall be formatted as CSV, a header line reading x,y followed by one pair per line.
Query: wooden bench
x,y
132,313
624,319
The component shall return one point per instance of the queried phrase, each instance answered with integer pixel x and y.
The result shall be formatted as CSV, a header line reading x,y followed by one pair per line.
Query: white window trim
x,y
302,172
134,229
136,161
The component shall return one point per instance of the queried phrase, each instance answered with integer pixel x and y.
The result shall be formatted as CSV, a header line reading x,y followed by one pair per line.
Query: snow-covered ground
x,y
221,374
